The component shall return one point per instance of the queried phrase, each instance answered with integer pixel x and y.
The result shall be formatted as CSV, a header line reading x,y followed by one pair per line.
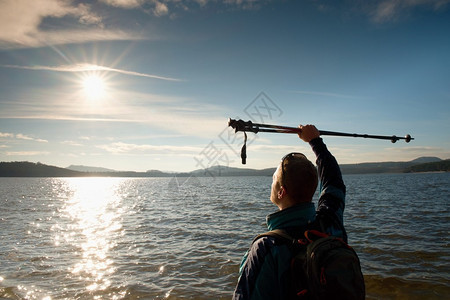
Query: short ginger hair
x,y
299,177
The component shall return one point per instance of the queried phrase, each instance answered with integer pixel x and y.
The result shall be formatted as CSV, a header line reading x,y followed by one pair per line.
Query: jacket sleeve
x,y
330,209
258,273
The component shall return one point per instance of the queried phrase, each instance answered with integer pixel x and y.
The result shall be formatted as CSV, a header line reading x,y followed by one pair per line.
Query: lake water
x,y
183,238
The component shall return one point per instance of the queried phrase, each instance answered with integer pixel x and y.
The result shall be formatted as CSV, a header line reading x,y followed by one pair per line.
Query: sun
x,y
94,87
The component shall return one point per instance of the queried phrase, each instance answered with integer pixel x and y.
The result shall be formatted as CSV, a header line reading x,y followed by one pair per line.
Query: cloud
x,y
363,153
6,135
124,3
161,9
126,148
417,149
392,10
381,11
28,138
175,115
21,136
72,143
26,153
21,22
88,67
327,94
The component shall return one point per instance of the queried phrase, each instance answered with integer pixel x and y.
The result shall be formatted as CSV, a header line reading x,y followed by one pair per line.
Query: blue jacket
x,y
264,271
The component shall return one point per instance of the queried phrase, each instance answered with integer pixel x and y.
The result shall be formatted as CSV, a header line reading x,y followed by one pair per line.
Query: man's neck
x,y
289,202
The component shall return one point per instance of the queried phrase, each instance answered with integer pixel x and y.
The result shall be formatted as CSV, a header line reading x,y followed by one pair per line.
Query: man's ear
x,y
281,192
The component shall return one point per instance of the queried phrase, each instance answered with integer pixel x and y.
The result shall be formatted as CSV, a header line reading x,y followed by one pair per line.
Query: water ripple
x,y
178,238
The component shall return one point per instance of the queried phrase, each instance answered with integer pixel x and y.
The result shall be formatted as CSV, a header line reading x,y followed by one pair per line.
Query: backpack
x,y
322,266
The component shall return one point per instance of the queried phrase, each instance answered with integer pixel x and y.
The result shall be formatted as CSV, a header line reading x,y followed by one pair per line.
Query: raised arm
x,y
332,194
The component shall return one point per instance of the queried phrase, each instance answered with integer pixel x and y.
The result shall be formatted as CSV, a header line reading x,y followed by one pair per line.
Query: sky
x,y
150,84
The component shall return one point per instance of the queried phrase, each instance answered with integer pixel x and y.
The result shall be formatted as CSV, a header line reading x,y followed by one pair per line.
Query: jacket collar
x,y
294,216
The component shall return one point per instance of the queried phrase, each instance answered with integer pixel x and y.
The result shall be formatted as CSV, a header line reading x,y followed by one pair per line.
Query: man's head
x,y
294,181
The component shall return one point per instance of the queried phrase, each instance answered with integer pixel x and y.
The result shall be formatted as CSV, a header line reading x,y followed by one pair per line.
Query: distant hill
x,y
384,167
362,168
437,166
425,159
88,169
29,169
157,173
229,171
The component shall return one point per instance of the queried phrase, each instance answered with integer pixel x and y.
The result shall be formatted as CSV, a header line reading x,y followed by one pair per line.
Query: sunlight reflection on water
x,y
94,220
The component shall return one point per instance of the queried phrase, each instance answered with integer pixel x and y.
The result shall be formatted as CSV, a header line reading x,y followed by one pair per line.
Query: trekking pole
x,y
240,125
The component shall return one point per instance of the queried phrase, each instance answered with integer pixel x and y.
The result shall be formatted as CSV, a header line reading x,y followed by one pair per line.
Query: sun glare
x,y
94,87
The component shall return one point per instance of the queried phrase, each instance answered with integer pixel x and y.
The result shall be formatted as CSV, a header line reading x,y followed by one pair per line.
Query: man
x,y
264,271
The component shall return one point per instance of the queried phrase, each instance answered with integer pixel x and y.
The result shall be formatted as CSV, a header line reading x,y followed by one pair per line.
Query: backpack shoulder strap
x,y
278,234
296,282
